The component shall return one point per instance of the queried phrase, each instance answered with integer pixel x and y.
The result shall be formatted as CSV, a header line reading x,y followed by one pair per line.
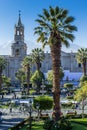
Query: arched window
x,y
21,32
17,52
79,65
17,32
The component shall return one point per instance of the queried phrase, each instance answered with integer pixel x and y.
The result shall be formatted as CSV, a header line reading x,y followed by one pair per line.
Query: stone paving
x,y
10,119
9,122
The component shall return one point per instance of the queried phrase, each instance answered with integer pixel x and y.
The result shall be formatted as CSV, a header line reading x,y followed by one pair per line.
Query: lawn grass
x,y
78,127
38,125
35,126
81,120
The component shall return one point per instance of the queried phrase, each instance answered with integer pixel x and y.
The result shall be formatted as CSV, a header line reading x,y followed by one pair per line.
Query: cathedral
x,y
19,51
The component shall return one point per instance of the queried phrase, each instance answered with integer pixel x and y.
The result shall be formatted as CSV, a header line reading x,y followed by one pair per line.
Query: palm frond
x,y
52,11
64,13
39,39
42,17
81,55
44,44
69,36
38,28
46,14
70,28
55,20
37,32
69,20
43,24
56,10
65,42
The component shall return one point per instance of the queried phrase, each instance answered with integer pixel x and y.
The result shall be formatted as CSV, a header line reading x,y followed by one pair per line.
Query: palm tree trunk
x,y
0,78
28,78
38,64
56,53
84,67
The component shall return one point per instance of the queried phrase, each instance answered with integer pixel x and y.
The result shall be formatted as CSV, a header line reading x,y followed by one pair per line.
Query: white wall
x,y
72,75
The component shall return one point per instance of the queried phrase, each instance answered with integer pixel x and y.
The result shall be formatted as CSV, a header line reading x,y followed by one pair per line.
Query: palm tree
x,y
26,63
20,75
54,29
38,56
2,67
81,58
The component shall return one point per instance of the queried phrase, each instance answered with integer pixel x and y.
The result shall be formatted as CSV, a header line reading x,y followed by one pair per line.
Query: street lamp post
x,y
38,106
30,112
42,91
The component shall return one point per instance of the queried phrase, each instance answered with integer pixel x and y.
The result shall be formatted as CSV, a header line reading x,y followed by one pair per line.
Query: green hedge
x,y
45,102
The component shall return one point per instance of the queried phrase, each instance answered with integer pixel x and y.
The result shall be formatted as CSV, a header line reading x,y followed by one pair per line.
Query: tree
x,y
6,84
82,80
20,75
54,29
38,56
81,95
26,63
6,81
2,67
36,79
44,102
50,75
81,58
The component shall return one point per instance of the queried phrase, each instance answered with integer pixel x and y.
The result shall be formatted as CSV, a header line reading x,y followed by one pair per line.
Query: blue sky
x,y
29,11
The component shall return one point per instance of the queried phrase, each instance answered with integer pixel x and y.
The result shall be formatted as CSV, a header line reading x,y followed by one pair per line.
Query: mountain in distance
x,y
71,48
5,49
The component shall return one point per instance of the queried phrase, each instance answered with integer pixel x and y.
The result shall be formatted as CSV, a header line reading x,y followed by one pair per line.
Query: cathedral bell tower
x,y
19,48
19,30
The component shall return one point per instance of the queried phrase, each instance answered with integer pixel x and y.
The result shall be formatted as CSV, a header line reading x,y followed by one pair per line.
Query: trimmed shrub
x,y
69,97
67,105
45,102
68,85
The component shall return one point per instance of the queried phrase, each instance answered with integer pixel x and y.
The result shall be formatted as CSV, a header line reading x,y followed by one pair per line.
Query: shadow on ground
x,y
5,124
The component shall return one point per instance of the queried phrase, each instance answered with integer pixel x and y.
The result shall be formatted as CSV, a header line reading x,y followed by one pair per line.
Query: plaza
x,y
43,87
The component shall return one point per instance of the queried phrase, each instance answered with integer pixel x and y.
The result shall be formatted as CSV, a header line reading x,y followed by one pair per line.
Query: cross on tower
x,y
19,13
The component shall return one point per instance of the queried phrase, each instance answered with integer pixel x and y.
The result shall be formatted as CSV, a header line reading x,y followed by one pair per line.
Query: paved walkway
x,y
11,119
8,123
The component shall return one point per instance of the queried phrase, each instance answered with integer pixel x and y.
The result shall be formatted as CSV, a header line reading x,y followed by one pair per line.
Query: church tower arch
x,y
19,48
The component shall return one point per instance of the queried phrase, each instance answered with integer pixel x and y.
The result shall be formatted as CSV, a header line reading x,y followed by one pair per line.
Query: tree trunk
x,y
82,108
28,78
0,78
38,64
56,54
84,67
